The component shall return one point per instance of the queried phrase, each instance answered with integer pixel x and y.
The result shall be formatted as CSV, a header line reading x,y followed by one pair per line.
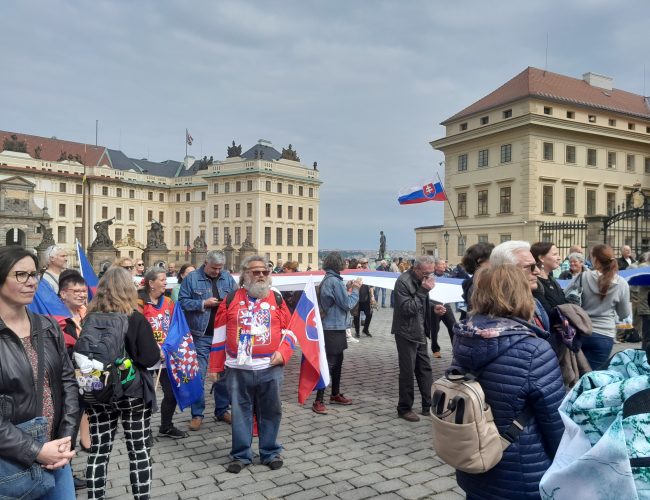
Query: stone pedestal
x,y
244,252
99,256
229,252
594,231
153,255
197,256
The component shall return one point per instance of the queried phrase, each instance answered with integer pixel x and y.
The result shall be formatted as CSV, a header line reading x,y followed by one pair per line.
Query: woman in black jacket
x,y
21,332
116,294
549,292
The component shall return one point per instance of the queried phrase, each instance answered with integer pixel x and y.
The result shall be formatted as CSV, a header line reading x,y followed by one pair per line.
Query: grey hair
x,y
644,257
253,258
439,260
504,253
51,252
424,260
576,256
153,272
215,257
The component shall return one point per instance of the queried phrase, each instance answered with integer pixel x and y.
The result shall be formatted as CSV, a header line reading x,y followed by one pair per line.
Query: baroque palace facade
x,y
262,197
543,147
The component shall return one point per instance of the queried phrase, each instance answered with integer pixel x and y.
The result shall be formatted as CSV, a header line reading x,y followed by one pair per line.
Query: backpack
x,y
464,433
103,369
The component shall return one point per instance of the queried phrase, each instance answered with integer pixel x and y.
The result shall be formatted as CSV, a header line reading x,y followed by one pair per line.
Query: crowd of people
x,y
507,331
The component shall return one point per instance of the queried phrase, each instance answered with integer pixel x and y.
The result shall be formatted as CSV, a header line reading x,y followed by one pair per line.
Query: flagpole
x,y
155,387
449,203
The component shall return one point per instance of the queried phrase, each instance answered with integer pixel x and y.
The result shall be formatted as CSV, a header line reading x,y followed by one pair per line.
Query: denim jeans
x,y
64,485
596,348
383,296
221,397
259,391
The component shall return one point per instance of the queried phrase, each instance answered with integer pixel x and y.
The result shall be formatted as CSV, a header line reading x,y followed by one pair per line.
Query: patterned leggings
x,y
136,421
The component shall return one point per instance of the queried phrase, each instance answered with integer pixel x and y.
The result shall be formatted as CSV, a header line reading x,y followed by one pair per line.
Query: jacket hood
x,y
481,339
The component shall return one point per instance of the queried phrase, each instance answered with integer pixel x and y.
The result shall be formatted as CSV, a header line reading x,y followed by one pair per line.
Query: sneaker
x,y
235,467
275,463
195,423
340,399
353,340
426,411
226,417
409,416
319,407
367,334
172,432
357,335
437,354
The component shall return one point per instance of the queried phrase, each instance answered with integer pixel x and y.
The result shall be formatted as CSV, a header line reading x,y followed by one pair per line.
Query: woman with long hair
x,y
116,294
37,385
548,292
518,371
159,311
605,296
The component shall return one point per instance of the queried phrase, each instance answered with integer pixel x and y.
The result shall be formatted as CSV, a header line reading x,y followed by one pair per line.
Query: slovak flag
x,y
429,192
188,138
308,329
48,303
182,362
87,271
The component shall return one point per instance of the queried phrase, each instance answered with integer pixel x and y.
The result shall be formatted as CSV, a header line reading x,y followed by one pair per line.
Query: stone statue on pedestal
x,y
156,236
102,240
382,246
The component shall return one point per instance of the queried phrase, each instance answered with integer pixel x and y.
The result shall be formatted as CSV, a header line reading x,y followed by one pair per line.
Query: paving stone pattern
x,y
353,452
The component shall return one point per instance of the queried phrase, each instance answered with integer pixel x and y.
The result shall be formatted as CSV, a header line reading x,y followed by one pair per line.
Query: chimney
x,y
188,162
600,81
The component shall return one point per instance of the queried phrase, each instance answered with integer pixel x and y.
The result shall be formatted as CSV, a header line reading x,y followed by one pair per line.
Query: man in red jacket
x,y
251,339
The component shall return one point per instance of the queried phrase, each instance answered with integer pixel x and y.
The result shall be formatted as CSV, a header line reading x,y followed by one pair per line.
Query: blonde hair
x,y
122,260
115,293
502,291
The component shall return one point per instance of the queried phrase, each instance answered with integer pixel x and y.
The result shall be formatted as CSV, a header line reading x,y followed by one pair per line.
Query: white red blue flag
x,y
308,329
87,271
188,138
433,191
182,362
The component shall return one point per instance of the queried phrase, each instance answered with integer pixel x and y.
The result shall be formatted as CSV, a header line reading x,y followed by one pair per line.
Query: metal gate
x,y
629,226
564,234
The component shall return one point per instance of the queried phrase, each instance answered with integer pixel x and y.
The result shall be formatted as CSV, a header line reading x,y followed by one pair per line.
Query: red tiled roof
x,y
51,149
533,82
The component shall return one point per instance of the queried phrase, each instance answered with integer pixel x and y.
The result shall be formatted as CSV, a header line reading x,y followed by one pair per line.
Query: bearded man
x,y
252,340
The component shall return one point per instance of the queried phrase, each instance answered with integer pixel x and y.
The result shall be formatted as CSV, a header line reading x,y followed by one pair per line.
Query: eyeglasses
x,y
532,268
23,276
130,268
76,292
266,272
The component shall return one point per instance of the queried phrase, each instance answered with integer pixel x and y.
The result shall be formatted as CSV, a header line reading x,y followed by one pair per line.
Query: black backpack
x,y
102,340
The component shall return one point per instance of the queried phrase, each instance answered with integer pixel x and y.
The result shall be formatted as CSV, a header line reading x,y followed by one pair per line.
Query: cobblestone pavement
x,y
353,452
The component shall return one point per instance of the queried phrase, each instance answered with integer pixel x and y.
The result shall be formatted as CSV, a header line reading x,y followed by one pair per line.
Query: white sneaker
x,y
349,336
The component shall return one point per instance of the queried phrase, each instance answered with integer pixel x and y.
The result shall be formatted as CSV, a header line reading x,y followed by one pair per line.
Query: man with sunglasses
x,y
200,294
253,342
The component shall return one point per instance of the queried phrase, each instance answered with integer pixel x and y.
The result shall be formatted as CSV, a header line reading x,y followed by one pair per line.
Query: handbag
x,y
573,293
29,482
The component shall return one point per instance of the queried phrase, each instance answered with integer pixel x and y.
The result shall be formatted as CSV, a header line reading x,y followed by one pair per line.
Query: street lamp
x,y
446,237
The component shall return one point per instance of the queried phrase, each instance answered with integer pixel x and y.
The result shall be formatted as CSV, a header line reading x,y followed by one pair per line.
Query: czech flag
x,y
428,192
87,271
308,329
182,362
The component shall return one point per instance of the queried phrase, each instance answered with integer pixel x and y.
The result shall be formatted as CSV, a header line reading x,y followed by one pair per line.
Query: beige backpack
x,y
464,433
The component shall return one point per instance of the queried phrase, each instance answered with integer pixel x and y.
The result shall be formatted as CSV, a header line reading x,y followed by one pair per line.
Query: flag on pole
x,y
433,191
188,138
182,362
308,329
87,271
48,303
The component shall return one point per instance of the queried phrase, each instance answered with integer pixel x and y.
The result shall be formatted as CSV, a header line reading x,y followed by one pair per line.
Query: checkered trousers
x,y
136,422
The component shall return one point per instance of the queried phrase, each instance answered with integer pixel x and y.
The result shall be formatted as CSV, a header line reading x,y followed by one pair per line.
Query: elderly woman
x,y
605,297
498,344
36,381
576,266
57,260
337,304
159,311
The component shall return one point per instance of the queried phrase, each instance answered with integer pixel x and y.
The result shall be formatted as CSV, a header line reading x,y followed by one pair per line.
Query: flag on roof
x,y
188,138
433,191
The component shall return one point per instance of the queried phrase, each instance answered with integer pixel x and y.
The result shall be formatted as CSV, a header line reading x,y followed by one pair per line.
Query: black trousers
x,y
413,359
168,405
448,319
335,363
367,310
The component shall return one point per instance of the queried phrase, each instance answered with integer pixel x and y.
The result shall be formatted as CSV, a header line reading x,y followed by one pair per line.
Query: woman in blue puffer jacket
x,y
516,369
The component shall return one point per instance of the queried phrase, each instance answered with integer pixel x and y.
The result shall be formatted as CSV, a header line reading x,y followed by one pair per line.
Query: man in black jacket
x,y
411,324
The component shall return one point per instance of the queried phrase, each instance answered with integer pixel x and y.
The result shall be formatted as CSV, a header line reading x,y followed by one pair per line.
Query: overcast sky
x,y
359,86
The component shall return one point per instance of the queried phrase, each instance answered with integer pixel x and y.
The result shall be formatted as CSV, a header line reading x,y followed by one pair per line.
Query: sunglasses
x,y
130,268
140,264
23,276
532,268
266,272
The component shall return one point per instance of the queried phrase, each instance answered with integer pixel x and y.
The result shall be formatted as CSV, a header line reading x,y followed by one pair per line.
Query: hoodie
x,y
604,313
515,369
